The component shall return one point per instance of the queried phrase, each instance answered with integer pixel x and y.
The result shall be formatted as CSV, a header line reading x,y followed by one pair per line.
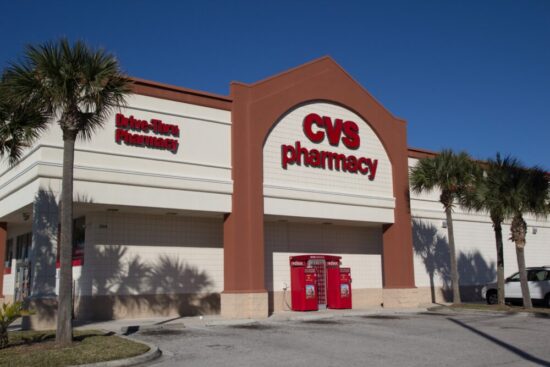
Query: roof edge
x,y
287,71
420,153
321,59
174,88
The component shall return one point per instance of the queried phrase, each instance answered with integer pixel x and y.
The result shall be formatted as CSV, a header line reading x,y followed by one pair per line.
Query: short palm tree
x,y
493,193
529,195
452,174
77,87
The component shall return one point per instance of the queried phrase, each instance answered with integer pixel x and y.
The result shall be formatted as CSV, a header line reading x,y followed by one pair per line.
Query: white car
x,y
538,279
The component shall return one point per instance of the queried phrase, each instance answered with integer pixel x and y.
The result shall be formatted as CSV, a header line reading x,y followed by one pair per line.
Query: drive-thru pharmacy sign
x,y
136,132
317,129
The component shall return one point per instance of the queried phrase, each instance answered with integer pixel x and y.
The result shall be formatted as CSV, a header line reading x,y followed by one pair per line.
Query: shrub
x,y
8,314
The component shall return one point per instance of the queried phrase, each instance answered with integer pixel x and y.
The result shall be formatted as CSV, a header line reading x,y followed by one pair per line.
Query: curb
x,y
153,353
439,310
307,316
132,329
232,322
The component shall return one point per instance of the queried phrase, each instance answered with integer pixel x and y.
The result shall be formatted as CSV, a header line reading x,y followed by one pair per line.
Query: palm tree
x,y
493,194
452,174
77,87
20,126
529,195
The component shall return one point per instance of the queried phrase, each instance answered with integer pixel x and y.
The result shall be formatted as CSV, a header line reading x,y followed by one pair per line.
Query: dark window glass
x,y
538,275
79,238
9,252
23,244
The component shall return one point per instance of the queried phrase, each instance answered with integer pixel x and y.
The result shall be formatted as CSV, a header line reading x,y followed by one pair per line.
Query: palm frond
x,y
452,173
20,126
508,188
78,84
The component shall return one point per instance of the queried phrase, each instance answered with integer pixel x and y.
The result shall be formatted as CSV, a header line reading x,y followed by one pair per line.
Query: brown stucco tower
x,y
256,108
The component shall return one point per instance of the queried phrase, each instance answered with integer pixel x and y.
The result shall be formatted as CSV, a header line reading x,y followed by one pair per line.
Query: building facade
x,y
191,203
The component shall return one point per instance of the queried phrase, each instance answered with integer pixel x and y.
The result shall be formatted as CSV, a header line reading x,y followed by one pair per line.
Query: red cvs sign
x,y
335,131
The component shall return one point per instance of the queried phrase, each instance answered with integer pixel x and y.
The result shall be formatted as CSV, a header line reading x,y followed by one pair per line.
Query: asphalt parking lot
x,y
382,339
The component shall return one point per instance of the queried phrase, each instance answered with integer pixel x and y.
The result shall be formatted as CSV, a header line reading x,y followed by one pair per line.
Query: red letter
x,y
175,130
119,135
373,165
351,131
314,158
121,120
285,157
333,131
311,119
364,170
175,146
156,127
352,164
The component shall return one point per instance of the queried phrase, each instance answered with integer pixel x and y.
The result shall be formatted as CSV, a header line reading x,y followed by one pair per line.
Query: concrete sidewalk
x,y
130,326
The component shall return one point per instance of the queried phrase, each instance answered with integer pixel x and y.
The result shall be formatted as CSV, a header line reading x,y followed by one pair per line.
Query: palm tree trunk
x,y
432,286
520,254
518,231
500,262
454,270
64,333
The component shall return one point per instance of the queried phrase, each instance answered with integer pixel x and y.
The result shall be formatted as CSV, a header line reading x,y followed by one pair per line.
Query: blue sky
x,y
466,75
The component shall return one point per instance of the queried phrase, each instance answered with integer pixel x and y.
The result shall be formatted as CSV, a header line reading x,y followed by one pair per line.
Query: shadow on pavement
x,y
502,344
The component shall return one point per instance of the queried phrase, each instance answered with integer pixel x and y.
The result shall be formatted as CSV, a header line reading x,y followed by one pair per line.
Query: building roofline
x,y
167,91
322,59
421,153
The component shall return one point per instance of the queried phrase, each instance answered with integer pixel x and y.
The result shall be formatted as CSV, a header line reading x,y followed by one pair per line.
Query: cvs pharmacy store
x,y
192,203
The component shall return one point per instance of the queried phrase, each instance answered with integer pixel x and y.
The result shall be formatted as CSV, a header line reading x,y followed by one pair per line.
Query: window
x,y
79,237
514,278
537,275
9,253
23,245
79,240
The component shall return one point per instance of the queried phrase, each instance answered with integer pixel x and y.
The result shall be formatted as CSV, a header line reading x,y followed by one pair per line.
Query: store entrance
x,y
315,281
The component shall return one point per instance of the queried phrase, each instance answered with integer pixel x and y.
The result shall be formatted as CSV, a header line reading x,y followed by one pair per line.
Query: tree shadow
x,y
40,293
119,283
179,285
44,242
433,249
509,347
473,271
36,338
103,271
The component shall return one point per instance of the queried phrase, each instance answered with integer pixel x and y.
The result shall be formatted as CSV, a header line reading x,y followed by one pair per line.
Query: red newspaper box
x,y
340,288
303,286
333,281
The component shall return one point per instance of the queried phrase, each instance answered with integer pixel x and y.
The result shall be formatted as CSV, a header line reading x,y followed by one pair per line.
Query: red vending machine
x,y
339,288
303,286
333,282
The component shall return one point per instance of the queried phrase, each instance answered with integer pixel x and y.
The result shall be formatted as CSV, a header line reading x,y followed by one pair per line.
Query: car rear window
x,y
537,275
